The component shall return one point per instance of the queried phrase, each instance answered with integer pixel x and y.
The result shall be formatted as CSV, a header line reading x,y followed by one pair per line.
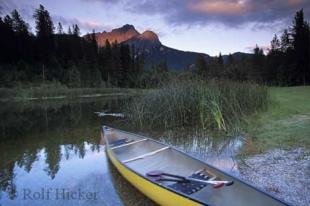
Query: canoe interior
x,y
173,161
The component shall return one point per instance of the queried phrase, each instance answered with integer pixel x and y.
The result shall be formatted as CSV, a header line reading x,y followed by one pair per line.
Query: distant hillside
x,y
237,56
149,45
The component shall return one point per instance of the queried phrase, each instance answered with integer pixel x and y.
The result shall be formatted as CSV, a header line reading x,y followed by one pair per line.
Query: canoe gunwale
x,y
193,158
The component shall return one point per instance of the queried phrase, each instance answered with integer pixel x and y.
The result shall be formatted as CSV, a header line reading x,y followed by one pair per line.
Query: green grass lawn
x,y
286,123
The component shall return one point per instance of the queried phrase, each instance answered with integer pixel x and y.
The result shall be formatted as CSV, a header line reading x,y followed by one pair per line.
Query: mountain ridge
x,y
149,45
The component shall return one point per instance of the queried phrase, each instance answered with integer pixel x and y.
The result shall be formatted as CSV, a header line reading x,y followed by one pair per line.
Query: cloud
x,y
102,1
84,25
220,7
24,9
227,12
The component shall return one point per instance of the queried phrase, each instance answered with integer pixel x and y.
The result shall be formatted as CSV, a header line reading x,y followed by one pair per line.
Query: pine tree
x,y
18,24
300,33
257,64
220,60
76,30
44,23
230,59
275,44
69,31
201,66
59,28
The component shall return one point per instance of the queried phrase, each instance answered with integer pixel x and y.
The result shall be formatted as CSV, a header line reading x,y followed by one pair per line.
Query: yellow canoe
x,y
135,156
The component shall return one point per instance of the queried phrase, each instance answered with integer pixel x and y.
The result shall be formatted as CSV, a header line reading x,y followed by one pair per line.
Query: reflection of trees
x,y
7,180
27,160
18,119
52,159
60,129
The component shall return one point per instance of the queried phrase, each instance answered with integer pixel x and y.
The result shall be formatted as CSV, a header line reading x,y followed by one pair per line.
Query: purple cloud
x,y
86,25
227,12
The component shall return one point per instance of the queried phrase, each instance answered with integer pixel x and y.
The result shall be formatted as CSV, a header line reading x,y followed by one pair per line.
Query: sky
x,y
208,26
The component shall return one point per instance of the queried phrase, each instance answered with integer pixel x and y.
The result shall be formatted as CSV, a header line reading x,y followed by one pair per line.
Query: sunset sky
x,y
207,26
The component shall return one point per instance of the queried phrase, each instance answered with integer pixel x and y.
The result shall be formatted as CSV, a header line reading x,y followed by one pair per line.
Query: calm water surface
x,y
51,153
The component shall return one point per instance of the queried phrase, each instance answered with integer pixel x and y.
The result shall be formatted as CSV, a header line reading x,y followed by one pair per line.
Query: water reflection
x,y
20,118
214,148
50,146
55,144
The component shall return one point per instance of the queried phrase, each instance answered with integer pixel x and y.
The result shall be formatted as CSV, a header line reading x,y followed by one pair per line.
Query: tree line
x,y
52,54
285,64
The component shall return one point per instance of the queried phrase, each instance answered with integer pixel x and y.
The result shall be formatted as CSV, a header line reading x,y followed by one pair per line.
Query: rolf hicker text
x,y
58,194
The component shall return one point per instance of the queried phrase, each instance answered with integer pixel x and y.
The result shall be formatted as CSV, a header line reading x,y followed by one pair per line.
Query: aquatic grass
x,y
220,104
57,90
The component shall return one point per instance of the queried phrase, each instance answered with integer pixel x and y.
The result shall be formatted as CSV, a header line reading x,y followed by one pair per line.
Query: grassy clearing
x,y
286,123
54,91
219,105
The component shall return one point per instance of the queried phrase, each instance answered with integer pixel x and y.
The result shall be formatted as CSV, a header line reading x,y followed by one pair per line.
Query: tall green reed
x,y
217,104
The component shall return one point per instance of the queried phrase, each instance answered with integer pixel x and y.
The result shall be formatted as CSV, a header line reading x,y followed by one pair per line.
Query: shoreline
x,y
283,173
30,94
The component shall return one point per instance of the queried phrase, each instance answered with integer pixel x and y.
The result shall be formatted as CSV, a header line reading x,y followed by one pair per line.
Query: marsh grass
x,y
57,90
219,104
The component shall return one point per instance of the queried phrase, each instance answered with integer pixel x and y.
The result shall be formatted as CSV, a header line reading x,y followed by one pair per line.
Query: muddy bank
x,y
283,173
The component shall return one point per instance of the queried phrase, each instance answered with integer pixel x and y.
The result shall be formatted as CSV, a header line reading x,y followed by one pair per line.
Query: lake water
x,y
51,153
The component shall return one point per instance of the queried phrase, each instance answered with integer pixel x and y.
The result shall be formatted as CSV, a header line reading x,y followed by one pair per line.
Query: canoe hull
x,y
135,155
158,194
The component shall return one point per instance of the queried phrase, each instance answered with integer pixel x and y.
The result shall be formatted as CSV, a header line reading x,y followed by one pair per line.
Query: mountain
x,y
149,45
238,56
120,35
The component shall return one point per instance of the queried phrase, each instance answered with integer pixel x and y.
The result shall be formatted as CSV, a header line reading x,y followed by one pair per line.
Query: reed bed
x,y
219,104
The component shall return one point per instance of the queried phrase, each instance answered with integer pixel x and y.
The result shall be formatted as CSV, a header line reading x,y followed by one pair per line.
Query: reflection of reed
x,y
216,149
129,195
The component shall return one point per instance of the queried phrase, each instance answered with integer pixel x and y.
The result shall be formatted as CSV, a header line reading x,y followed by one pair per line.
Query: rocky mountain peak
x,y
150,36
125,29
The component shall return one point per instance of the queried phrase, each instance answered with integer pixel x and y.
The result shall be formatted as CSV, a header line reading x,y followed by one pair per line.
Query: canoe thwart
x,y
128,143
146,155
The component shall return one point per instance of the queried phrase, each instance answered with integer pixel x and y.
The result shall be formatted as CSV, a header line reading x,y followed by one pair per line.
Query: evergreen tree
x,y
125,64
286,42
201,66
230,59
7,41
300,33
74,77
44,25
76,30
275,44
220,60
69,30
45,39
59,29
18,24
257,64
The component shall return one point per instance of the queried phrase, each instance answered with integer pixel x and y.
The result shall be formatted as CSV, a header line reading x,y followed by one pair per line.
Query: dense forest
x,y
52,54
61,56
286,63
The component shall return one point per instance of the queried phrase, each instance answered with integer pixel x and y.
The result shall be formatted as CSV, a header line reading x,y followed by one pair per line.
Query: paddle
x,y
216,184
159,178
